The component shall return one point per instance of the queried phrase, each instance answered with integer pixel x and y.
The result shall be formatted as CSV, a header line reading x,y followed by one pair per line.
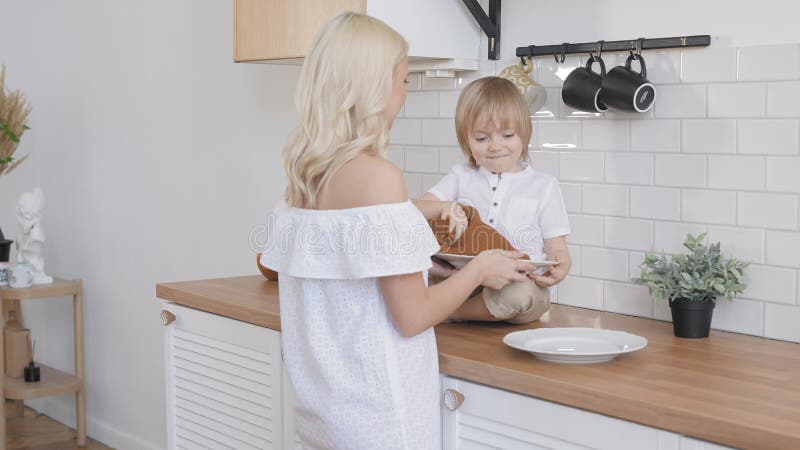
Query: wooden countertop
x,y
736,390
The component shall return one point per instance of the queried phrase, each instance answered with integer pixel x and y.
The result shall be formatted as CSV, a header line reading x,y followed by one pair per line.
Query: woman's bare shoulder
x,y
363,181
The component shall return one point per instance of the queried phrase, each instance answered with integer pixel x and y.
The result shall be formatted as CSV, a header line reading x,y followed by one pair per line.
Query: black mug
x,y
624,88
581,89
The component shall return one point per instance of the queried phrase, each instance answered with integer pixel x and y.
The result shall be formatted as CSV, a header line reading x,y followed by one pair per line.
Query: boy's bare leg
x,y
473,309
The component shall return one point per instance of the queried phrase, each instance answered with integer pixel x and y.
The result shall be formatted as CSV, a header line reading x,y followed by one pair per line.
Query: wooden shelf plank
x,y
53,382
56,288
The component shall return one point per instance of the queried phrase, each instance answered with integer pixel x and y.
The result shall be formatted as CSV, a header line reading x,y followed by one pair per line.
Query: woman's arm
x,y
414,307
556,250
430,206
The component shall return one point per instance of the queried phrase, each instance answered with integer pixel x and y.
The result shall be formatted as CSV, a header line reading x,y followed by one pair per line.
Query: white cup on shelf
x,y
20,276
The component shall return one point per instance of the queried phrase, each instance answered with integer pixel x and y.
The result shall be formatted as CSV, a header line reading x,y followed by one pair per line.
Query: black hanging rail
x,y
489,24
703,40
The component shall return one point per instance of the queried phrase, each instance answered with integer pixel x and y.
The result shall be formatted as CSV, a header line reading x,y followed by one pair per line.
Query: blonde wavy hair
x,y
342,94
492,103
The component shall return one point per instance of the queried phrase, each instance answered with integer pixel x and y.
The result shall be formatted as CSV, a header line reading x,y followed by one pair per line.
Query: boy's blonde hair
x,y
342,94
492,103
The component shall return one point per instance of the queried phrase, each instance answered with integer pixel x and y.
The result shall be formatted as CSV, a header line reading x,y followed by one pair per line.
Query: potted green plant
x,y
14,110
692,282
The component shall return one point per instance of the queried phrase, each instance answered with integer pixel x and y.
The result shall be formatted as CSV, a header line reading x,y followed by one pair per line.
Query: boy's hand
x,y
553,276
458,219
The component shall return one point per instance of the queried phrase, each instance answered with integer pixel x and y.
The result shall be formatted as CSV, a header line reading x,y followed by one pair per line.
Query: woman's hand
x,y
458,218
500,267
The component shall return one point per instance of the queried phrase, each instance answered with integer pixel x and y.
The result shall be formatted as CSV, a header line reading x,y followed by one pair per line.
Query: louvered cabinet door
x,y
491,418
224,383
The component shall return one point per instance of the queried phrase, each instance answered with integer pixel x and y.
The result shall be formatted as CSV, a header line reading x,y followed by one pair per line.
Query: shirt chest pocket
x,y
521,215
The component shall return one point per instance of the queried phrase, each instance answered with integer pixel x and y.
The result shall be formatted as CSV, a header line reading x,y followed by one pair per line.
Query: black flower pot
x,y
5,248
691,319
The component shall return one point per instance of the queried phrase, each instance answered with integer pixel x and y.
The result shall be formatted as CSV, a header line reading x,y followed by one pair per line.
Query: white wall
x,y
718,153
156,154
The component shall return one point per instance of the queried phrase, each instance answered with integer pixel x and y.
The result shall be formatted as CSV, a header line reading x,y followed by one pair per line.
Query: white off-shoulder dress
x,y
359,383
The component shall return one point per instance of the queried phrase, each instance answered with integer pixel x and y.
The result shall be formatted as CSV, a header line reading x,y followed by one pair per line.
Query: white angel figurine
x,y
31,235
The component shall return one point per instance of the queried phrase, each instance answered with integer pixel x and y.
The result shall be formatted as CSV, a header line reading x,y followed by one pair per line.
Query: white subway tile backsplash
x,y
486,68
422,104
550,108
655,135
708,64
551,74
736,172
700,160
447,103
449,157
626,298
783,174
736,100
436,83
680,170
680,102
780,322
546,162
767,210
709,136
406,131
395,154
604,263
669,236
582,292
631,234
661,311
586,230
429,181
608,199
655,203
742,243
439,132
629,168
580,166
739,316
635,260
413,184
605,135
769,62
773,137
572,197
700,205
783,248
664,66
783,99
422,159
561,134
770,284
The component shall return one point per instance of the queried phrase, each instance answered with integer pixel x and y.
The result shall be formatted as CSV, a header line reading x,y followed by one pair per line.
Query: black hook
x,y
638,49
530,56
599,49
563,53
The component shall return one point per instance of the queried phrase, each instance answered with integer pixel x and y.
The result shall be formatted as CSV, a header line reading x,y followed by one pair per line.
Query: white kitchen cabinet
x,y
226,387
441,34
491,418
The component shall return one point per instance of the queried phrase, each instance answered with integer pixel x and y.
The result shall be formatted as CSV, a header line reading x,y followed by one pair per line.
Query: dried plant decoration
x,y
14,110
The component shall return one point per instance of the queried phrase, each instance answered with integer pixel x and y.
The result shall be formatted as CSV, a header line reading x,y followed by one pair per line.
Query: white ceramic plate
x,y
575,345
459,261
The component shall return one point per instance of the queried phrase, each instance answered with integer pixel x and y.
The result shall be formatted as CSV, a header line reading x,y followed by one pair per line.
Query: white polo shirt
x,y
526,207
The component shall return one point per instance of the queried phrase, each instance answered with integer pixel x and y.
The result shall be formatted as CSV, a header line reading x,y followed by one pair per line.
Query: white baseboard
x,y
98,430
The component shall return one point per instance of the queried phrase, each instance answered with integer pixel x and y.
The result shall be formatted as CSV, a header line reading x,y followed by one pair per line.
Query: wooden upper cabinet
x,y
282,29
441,33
